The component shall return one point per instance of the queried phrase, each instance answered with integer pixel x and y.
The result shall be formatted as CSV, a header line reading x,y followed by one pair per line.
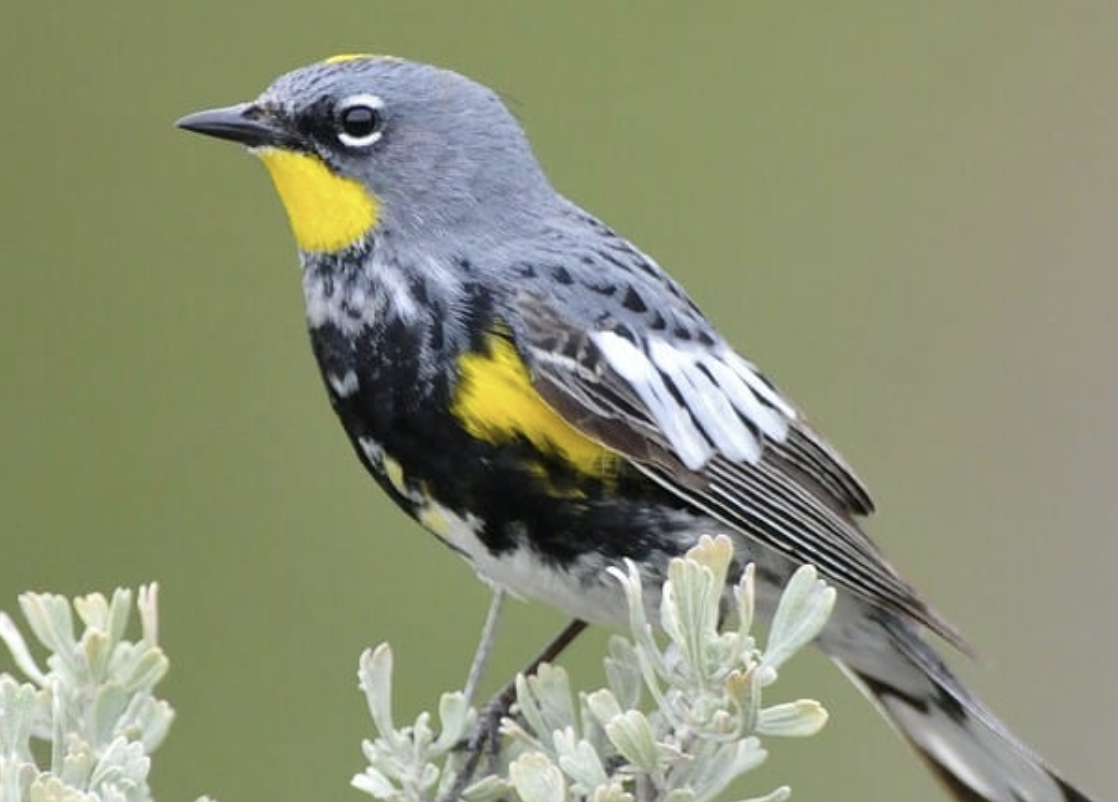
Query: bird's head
x,y
359,143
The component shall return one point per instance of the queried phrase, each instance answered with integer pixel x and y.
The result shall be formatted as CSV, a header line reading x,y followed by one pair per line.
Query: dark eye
x,y
360,120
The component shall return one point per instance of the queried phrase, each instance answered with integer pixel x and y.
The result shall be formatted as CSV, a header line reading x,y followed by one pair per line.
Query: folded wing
x,y
707,426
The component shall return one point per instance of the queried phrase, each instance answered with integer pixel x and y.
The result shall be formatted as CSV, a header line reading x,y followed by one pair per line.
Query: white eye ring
x,y
360,120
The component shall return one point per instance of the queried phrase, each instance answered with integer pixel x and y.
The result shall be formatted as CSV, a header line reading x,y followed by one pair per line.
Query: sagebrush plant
x,y
676,723
93,706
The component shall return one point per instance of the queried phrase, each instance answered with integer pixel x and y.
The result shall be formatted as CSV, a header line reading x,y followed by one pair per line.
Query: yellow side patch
x,y
495,402
327,212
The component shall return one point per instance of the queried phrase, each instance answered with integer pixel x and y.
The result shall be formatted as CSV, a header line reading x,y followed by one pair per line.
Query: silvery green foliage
x,y
677,723
92,706
414,762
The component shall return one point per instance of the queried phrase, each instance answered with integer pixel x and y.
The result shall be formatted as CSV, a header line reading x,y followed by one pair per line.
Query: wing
x,y
703,423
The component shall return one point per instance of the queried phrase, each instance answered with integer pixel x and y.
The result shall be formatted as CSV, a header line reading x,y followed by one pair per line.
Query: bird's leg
x,y
485,735
485,644
499,705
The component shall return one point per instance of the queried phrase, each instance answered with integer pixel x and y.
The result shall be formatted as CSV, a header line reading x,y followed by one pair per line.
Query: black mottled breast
x,y
523,497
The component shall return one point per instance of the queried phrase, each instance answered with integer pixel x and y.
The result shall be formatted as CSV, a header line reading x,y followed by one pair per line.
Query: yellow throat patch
x,y
328,213
495,402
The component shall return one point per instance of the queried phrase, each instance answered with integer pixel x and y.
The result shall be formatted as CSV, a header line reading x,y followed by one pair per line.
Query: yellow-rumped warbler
x,y
547,401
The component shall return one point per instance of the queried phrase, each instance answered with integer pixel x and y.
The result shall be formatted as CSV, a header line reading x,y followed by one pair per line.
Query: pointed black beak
x,y
244,123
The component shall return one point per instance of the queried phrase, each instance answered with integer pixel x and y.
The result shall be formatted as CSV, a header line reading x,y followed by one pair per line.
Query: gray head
x,y
369,142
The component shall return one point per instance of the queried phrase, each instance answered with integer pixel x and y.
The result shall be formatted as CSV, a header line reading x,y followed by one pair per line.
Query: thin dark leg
x,y
498,707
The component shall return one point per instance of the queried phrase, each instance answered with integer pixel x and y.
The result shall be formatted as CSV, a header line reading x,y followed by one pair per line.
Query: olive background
x,y
904,212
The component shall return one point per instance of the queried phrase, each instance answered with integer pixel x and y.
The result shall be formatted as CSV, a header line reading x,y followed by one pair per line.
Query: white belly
x,y
584,591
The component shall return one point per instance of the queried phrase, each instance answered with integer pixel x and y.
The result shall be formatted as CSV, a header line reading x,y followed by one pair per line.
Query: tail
x,y
972,753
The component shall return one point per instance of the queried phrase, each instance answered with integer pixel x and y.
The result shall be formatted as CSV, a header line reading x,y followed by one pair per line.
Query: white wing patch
x,y
749,393
720,404
634,366
760,387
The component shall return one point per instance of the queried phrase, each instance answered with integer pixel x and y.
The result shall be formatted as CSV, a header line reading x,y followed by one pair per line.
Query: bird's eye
x,y
360,120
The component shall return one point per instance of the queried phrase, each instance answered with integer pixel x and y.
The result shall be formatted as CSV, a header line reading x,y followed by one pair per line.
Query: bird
x,y
546,400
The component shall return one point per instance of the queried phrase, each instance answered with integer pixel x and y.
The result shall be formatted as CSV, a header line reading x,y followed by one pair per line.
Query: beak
x,y
245,123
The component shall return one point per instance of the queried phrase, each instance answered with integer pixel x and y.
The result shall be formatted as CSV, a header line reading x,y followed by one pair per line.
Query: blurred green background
x,y
906,213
